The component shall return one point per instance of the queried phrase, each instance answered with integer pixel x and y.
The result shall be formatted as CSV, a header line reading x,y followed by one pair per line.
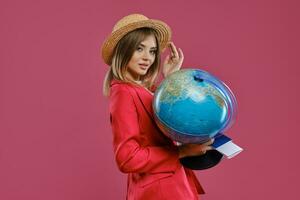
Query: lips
x,y
144,66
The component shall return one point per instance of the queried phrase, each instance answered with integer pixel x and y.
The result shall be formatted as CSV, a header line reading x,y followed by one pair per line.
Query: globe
x,y
193,106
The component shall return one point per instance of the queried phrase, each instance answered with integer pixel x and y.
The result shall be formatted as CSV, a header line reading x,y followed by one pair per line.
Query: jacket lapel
x,y
146,99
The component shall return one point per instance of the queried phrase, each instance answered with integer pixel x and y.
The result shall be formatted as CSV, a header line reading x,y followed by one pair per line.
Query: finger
x,y
203,152
207,148
172,55
181,56
173,49
167,59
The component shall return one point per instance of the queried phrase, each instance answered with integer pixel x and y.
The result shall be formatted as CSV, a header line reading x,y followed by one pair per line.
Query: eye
x,y
153,52
139,49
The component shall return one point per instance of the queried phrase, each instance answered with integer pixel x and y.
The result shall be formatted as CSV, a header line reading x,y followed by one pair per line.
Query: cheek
x,y
153,58
134,57
132,62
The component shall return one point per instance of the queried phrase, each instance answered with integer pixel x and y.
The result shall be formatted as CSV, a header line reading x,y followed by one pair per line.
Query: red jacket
x,y
142,151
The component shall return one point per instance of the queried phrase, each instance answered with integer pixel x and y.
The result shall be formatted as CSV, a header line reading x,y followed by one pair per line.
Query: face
x,y
142,58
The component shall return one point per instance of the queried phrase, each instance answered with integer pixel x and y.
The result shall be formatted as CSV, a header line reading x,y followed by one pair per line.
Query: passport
x,y
225,145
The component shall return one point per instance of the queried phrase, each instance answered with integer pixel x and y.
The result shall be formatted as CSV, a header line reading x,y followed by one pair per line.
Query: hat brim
x,y
163,31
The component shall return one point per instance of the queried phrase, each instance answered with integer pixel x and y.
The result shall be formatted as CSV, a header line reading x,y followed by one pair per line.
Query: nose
x,y
146,55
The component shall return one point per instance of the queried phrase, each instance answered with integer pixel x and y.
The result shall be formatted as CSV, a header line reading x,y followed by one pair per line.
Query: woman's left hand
x,y
172,63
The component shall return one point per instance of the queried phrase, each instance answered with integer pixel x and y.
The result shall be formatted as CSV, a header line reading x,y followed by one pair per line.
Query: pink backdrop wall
x,y
55,139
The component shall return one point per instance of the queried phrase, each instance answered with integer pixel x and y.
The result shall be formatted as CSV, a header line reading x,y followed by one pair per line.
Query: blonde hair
x,y
122,55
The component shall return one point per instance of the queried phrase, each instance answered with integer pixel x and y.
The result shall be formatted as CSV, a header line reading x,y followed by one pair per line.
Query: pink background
x,y
55,141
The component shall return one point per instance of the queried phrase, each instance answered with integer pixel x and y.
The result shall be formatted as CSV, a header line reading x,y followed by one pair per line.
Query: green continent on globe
x,y
181,85
175,86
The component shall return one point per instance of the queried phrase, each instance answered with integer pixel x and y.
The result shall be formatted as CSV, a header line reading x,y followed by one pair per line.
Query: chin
x,y
143,73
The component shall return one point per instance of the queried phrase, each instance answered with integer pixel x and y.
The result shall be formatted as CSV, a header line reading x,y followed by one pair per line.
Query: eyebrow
x,y
145,46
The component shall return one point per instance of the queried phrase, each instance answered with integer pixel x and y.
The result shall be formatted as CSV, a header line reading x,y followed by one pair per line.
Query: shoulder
x,y
122,92
121,98
122,89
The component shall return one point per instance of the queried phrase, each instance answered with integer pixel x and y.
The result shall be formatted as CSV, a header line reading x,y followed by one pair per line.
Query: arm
x,y
129,154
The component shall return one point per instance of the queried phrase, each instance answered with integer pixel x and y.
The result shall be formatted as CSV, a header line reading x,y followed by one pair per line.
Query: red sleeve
x,y
129,154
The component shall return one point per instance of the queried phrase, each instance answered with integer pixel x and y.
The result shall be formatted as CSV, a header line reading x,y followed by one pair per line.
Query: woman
x,y
150,159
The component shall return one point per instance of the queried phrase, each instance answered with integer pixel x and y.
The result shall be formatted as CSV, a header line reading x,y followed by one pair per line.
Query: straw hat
x,y
130,23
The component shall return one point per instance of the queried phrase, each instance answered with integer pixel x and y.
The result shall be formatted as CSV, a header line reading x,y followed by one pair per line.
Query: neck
x,y
135,80
132,78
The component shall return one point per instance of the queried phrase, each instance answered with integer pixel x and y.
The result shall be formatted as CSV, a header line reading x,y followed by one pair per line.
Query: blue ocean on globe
x,y
192,106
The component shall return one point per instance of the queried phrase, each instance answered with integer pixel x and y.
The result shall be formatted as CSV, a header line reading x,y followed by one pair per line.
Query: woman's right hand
x,y
195,149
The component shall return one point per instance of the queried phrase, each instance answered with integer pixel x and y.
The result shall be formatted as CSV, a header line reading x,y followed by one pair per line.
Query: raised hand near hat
x,y
173,61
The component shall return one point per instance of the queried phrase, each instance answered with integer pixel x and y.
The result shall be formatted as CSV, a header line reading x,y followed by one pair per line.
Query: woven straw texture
x,y
130,23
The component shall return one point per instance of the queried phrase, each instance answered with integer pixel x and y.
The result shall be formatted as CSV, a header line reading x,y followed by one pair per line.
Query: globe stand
x,y
210,159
